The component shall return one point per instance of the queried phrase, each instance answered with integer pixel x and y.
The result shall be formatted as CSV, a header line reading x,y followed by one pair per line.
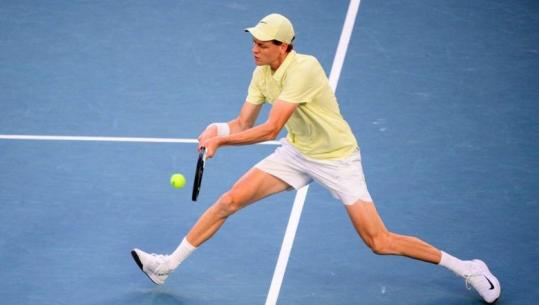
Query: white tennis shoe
x,y
483,281
155,266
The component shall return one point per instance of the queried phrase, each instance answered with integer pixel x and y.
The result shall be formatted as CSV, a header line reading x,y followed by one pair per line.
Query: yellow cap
x,y
273,27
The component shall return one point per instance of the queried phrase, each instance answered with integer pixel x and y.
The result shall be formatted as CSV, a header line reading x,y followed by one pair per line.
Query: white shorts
x,y
343,178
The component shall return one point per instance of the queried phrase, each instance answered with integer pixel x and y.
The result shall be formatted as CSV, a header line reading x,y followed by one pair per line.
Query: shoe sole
x,y
137,260
139,264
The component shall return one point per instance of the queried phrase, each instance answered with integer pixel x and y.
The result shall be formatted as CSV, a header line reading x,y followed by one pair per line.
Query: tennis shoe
x,y
155,266
483,281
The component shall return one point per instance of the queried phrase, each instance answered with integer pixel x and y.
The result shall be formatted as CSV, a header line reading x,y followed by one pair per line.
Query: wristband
x,y
222,128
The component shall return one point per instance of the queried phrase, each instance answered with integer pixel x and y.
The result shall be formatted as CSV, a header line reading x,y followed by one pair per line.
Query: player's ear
x,y
283,47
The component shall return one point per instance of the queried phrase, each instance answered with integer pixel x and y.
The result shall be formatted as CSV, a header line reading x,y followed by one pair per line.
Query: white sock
x,y
454,264
181,253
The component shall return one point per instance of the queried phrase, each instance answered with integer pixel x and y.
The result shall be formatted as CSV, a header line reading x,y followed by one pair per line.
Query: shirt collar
x,y
278,75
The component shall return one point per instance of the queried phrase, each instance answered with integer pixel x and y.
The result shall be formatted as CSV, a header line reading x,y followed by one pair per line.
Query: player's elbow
x,y
273,132
273,135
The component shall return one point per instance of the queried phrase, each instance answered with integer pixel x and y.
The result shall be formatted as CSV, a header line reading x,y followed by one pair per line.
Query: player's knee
x,y
380,244
228,204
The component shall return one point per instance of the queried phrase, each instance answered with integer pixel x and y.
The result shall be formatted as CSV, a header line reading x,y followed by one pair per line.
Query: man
x,y
319,146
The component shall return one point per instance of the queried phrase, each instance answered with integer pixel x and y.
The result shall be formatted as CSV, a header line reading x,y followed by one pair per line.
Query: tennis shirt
x,y
316,128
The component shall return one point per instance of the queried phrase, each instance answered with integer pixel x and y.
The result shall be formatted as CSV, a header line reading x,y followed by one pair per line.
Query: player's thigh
x,y
255,185
366,220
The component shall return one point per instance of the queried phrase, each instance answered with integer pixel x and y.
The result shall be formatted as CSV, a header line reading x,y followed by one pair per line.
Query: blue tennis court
x,y
101,101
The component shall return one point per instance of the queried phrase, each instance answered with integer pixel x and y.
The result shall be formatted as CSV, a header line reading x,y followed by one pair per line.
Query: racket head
x,y
199,171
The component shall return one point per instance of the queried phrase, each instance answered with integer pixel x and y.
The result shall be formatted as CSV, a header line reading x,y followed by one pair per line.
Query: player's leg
x,y
253,186
372,230
345,180
276,173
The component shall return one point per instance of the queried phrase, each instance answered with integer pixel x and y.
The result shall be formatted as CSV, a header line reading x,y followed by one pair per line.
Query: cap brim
x,y
258,34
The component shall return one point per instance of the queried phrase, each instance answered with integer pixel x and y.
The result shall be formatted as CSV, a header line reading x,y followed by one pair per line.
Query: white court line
x,y
107,139
299,201
344,40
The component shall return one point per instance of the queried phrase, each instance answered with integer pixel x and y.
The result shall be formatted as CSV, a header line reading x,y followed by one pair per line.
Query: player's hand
x,y
211,144
208,133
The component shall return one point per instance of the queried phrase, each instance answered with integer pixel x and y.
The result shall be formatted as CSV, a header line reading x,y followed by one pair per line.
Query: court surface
x,y
442,96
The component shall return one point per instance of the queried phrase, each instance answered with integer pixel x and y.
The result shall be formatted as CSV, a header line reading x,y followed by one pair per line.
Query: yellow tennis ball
x,y
177,181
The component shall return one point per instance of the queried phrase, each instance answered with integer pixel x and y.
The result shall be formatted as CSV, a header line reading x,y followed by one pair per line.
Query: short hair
x,y
288,49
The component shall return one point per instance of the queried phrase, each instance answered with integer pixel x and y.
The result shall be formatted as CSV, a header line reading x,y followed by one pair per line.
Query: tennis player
x,y
319,146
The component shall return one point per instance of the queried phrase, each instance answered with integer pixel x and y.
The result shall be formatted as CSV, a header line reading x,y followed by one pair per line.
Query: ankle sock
x,y
181,253
454,264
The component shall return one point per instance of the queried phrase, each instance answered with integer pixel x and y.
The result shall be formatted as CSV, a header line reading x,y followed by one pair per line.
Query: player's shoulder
x,y
306,60
306,64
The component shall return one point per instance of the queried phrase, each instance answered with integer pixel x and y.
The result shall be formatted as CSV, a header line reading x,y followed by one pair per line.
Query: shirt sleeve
x,y
302,84
254,94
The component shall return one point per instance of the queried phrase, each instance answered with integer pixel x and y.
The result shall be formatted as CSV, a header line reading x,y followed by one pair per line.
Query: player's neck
x,y
278,62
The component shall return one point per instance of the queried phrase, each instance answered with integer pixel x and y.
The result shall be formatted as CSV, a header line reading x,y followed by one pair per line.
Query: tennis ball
x,y
177,181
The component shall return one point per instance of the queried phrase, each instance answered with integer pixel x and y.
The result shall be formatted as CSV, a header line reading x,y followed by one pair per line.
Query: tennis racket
x,y
198,173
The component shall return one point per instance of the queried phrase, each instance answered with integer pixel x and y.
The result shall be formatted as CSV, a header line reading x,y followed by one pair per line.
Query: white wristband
x,y
222,128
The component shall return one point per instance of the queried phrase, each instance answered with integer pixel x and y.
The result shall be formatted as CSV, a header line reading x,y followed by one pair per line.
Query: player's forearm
x,y
237,126
260,133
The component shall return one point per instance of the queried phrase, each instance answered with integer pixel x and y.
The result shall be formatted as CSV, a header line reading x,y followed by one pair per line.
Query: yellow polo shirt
x,y
316,128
